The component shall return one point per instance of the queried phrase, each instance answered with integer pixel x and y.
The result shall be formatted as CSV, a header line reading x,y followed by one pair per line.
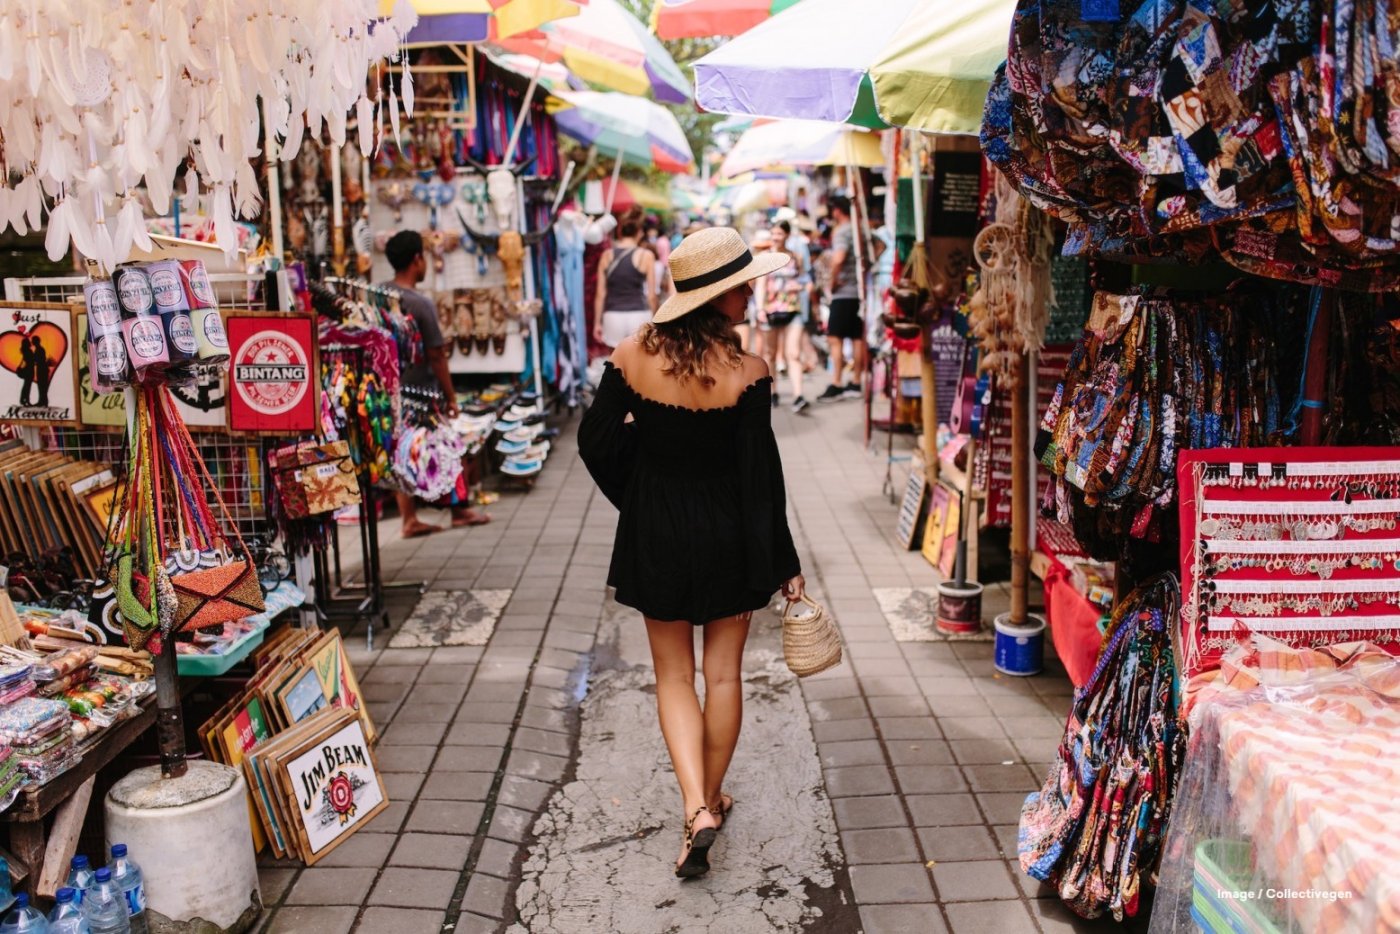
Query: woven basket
x,y
810,643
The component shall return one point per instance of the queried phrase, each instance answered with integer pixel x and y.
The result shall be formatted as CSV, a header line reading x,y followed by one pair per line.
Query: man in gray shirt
x,y
405,253
845,322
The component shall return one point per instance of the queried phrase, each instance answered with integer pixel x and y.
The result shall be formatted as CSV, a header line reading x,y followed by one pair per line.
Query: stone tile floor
x,y
919,754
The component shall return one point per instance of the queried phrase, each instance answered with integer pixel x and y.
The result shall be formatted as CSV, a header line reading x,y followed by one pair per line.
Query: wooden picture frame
x,y
300,696
338,682
912,507
54,325
101,504
331,783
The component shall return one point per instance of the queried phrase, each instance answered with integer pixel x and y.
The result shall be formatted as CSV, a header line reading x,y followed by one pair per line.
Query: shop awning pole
x,y
1315,380
928,381
1020,490
524,113
274,183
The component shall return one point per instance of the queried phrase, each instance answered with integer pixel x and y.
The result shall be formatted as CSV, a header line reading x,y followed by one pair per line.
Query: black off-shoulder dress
x,y
703,530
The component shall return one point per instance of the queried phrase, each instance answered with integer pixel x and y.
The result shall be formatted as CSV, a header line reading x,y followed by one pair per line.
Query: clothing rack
x,y
340,600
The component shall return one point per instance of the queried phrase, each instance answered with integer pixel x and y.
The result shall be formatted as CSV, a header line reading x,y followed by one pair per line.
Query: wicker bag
x,y
811,643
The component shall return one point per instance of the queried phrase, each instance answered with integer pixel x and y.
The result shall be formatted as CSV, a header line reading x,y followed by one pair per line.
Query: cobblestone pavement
x,y
531,791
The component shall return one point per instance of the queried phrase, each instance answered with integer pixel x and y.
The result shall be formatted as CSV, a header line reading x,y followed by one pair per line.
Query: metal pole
x,y
337,214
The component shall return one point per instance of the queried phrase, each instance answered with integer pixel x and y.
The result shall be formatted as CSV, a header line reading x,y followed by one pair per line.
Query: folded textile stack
x,y
40,732
16,681
11,777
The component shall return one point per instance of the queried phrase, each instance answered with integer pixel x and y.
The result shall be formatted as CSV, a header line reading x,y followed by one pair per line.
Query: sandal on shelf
x,y
697,843
463,323
484,301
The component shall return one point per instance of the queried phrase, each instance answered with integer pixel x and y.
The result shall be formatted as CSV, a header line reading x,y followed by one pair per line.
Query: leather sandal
x,y
726,804
698,843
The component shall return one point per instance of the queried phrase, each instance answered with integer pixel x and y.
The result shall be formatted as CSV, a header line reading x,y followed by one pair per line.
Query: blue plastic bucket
x,y
1020,650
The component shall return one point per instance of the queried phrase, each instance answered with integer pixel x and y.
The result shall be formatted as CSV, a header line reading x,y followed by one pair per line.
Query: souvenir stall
x,y
1229,181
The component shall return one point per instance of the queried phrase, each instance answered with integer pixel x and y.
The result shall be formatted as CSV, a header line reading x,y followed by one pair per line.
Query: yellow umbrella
x,y
935,74
801,142
442,22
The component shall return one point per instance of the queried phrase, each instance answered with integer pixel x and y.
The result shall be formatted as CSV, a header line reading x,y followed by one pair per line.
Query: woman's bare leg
x,y
724,697
791,341
682,723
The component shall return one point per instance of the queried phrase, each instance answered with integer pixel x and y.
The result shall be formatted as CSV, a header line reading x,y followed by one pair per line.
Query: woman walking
x,y
626,296
780,320
680,439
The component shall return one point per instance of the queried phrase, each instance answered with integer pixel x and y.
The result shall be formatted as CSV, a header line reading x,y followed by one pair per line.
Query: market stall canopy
x,y
642,132
684,19
629,195
465,21
802,143
926,64
95,113
607,46
552,76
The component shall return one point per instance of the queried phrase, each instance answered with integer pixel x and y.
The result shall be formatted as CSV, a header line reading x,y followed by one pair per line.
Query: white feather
x,y
364,123
406,90
394,117
56,239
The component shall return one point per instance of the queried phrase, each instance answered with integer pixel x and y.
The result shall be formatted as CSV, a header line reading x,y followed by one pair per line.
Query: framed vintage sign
x,y
330,784
941,530
272,372
911,510
38,364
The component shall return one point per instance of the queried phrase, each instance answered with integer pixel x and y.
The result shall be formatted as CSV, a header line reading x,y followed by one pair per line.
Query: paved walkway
x,y
531,791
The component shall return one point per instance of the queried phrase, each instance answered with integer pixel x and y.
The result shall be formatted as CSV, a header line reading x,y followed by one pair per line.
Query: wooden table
x,y
68,796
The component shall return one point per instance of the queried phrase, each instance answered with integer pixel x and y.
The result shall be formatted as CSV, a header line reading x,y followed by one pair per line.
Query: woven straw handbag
x,y
810,641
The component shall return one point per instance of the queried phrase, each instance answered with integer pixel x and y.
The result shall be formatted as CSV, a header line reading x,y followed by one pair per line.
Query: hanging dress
x,y
703,530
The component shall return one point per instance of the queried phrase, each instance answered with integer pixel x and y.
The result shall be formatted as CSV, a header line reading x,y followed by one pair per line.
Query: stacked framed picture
x,y
299,675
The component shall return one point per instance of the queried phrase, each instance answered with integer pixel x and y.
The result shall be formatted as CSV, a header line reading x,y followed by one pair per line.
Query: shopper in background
x,y
752,332
780,298
680,439
626,296
845,321
660,248
405,254
882,276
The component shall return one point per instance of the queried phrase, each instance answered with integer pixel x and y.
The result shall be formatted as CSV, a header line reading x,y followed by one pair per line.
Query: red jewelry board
x,y
272,372
1300,544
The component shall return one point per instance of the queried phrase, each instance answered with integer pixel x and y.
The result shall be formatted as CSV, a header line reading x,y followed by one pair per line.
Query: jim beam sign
x,y
272,372
332,785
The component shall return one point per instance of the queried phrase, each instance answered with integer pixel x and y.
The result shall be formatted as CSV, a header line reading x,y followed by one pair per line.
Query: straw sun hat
x,y
709,263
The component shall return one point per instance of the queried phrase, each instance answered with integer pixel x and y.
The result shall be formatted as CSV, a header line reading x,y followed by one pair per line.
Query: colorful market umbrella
x,y
464,21
607,46
801,142
631,194
684,19
642,132
925,64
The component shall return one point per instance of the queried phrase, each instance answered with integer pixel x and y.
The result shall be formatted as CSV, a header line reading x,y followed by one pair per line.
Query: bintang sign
x,y
272,373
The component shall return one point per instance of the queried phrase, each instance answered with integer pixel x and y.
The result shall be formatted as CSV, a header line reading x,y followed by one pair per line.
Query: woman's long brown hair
x,y
685,344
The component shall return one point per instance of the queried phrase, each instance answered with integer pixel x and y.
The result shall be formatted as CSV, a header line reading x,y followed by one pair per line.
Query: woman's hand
x,y
598,330
795,589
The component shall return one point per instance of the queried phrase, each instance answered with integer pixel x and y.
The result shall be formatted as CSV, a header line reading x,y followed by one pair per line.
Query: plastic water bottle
x,y
105,905
67,917
80,876
24,919
127,875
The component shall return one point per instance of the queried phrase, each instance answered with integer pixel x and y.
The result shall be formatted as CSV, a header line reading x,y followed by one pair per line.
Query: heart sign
x,y
17,350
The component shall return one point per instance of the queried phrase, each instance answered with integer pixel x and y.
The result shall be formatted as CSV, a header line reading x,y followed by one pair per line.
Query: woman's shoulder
x,y
753,368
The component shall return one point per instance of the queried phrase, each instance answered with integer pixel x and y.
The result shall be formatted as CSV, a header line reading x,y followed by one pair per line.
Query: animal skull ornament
x,y
501,189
